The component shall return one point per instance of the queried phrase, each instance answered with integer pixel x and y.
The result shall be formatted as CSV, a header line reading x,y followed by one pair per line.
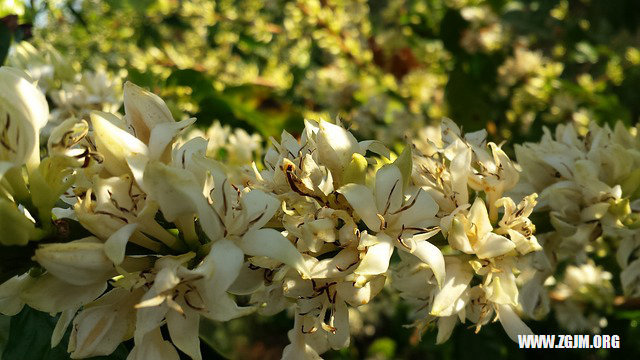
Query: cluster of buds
x,y
173,235
589,188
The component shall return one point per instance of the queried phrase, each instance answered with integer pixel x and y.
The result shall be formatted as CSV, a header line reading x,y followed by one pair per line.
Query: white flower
x,y
473,234
179,296
103,324
404,222
23,112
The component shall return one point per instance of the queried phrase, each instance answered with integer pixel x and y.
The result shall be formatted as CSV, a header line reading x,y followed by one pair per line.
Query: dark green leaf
x,y
5,42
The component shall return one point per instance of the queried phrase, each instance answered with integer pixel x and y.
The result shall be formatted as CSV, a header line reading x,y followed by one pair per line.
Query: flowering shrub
x,y
173,237
174,234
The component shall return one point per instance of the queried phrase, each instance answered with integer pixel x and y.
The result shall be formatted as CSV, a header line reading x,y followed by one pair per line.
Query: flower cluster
x,y
484,250
123,178
589,189
174,235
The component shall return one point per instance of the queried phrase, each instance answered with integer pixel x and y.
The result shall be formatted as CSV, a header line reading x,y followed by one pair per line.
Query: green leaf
x,y
219,336
628,314
4,331
30,333
5,42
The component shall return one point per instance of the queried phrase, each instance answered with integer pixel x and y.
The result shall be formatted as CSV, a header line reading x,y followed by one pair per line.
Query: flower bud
x,y
336,145
620,207
144,110
79,262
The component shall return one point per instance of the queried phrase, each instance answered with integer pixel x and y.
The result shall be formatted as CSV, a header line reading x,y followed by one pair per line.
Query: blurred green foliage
x,y
511,67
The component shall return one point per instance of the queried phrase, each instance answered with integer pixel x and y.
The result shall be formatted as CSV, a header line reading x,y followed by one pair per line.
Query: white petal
x,y
457,237
524,245
511,323
178,193
374,146
432,256
10,301
101,327
456,282
339,265
184,331
357,296
26,97
248,281
446,325
270,243
389,189
376,259
503,288
221,266
335,147
479,218
116,244
24,111
61,326
5,166
260,208
342,335
404,162
114,143
493,245
153,346
460,170
148,319
137,163
298,349
50,294
419,209
361,200
225,309
630,279
163,135
144,110
356,171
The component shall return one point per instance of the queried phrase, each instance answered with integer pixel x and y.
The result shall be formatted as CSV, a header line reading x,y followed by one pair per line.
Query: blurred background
x,y
385,68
